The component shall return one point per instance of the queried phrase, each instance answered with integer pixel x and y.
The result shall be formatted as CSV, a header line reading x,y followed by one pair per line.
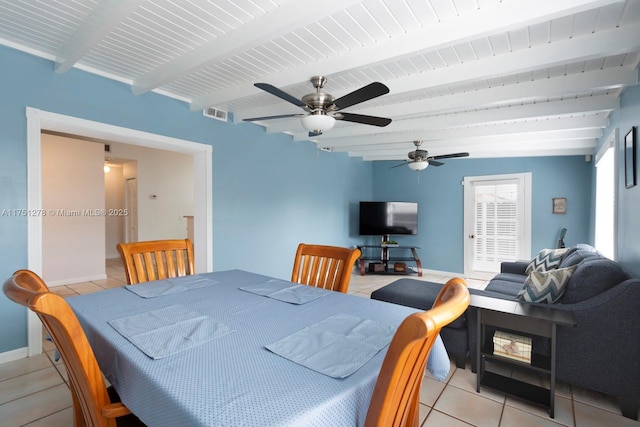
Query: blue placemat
x,y
337,346
169,330
169,286
286,291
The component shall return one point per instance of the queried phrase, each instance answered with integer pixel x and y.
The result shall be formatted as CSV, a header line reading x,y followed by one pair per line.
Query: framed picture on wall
x,y
559,205
630,158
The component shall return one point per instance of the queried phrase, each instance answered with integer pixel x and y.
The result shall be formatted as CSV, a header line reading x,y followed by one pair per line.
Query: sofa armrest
x,y
514,267
604,343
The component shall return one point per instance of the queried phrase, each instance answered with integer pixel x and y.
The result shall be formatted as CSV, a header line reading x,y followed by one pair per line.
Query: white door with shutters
x,y
497,222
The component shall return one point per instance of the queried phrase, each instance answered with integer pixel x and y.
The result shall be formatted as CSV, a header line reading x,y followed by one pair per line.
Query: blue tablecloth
x,y
233,380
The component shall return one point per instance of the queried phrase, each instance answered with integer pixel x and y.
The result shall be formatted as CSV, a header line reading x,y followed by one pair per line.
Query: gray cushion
x,y
504,287
585,247
515,267
510,277
574,256
592,277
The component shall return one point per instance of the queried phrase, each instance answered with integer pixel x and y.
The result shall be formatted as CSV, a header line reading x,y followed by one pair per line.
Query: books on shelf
x,y
512,346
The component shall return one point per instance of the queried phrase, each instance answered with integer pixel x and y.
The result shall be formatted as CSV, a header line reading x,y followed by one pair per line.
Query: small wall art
x,y
559,205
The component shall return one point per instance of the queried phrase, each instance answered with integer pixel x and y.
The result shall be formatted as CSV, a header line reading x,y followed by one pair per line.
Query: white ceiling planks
x,y
492,77
267,26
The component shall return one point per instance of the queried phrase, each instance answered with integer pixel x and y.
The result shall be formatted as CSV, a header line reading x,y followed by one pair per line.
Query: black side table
x,y
513,316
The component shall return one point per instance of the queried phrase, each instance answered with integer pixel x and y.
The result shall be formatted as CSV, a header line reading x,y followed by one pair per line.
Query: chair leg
x,y
629,407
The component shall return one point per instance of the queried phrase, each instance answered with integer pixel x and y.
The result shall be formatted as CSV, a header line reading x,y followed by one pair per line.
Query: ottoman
x,y
421,294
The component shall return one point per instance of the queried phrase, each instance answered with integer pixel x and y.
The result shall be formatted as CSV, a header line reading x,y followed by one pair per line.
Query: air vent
x,y
215,113
107,148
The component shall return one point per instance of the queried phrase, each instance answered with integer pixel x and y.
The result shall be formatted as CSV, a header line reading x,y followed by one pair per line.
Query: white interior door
x,y
132,210
497,212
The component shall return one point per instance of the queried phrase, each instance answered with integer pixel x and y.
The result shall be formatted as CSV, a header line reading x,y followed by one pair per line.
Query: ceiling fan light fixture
x,y
419,165
318,122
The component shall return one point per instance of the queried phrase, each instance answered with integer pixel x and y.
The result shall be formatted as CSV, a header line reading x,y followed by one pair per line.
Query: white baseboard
x,y
442,273
76,280
10,356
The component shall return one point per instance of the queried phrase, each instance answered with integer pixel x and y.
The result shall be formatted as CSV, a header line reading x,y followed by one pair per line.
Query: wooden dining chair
x,y
396,397
156,259
93,403
327,267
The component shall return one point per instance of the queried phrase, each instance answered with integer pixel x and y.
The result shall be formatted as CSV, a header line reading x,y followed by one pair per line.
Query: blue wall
x,y
439,192
628,238
269,192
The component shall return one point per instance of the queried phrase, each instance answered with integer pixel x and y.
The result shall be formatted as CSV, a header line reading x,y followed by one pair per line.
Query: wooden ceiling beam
x,y
103,19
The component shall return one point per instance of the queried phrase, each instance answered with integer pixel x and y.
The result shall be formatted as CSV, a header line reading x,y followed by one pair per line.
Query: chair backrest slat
x,y
156,260
179,267
149,266
327,267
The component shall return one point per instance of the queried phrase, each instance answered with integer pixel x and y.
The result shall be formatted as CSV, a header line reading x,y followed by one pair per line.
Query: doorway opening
x,y
38,120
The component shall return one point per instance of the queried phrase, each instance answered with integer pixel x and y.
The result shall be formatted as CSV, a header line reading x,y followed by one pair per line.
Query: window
x,y
606,198
496,229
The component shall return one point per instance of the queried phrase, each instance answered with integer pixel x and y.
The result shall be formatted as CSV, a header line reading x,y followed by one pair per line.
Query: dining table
x,y
236,348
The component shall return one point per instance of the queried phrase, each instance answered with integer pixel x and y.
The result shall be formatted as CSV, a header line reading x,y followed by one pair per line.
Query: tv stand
x,y
384,257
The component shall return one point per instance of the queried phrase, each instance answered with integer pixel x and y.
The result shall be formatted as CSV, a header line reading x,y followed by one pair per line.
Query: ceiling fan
x,y
323,110
420,159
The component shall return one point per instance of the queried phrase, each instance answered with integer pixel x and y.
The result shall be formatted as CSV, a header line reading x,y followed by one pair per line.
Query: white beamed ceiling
x,y
495,78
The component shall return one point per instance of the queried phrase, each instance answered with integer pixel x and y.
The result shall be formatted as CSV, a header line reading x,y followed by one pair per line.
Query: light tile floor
x,y
34,391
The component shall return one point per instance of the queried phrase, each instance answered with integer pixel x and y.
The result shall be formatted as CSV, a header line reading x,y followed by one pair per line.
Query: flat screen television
x,y
388,218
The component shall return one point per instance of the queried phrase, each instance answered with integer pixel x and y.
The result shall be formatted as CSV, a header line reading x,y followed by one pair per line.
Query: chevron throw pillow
x,y
546,286
547,259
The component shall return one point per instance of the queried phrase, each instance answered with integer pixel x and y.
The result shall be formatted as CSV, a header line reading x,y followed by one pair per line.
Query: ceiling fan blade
x,y
281,116
280,93
450,156
370,91
401,164
435,163
361,118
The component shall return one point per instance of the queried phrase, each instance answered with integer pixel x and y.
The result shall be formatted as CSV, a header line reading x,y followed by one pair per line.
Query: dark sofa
x,y
602,353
